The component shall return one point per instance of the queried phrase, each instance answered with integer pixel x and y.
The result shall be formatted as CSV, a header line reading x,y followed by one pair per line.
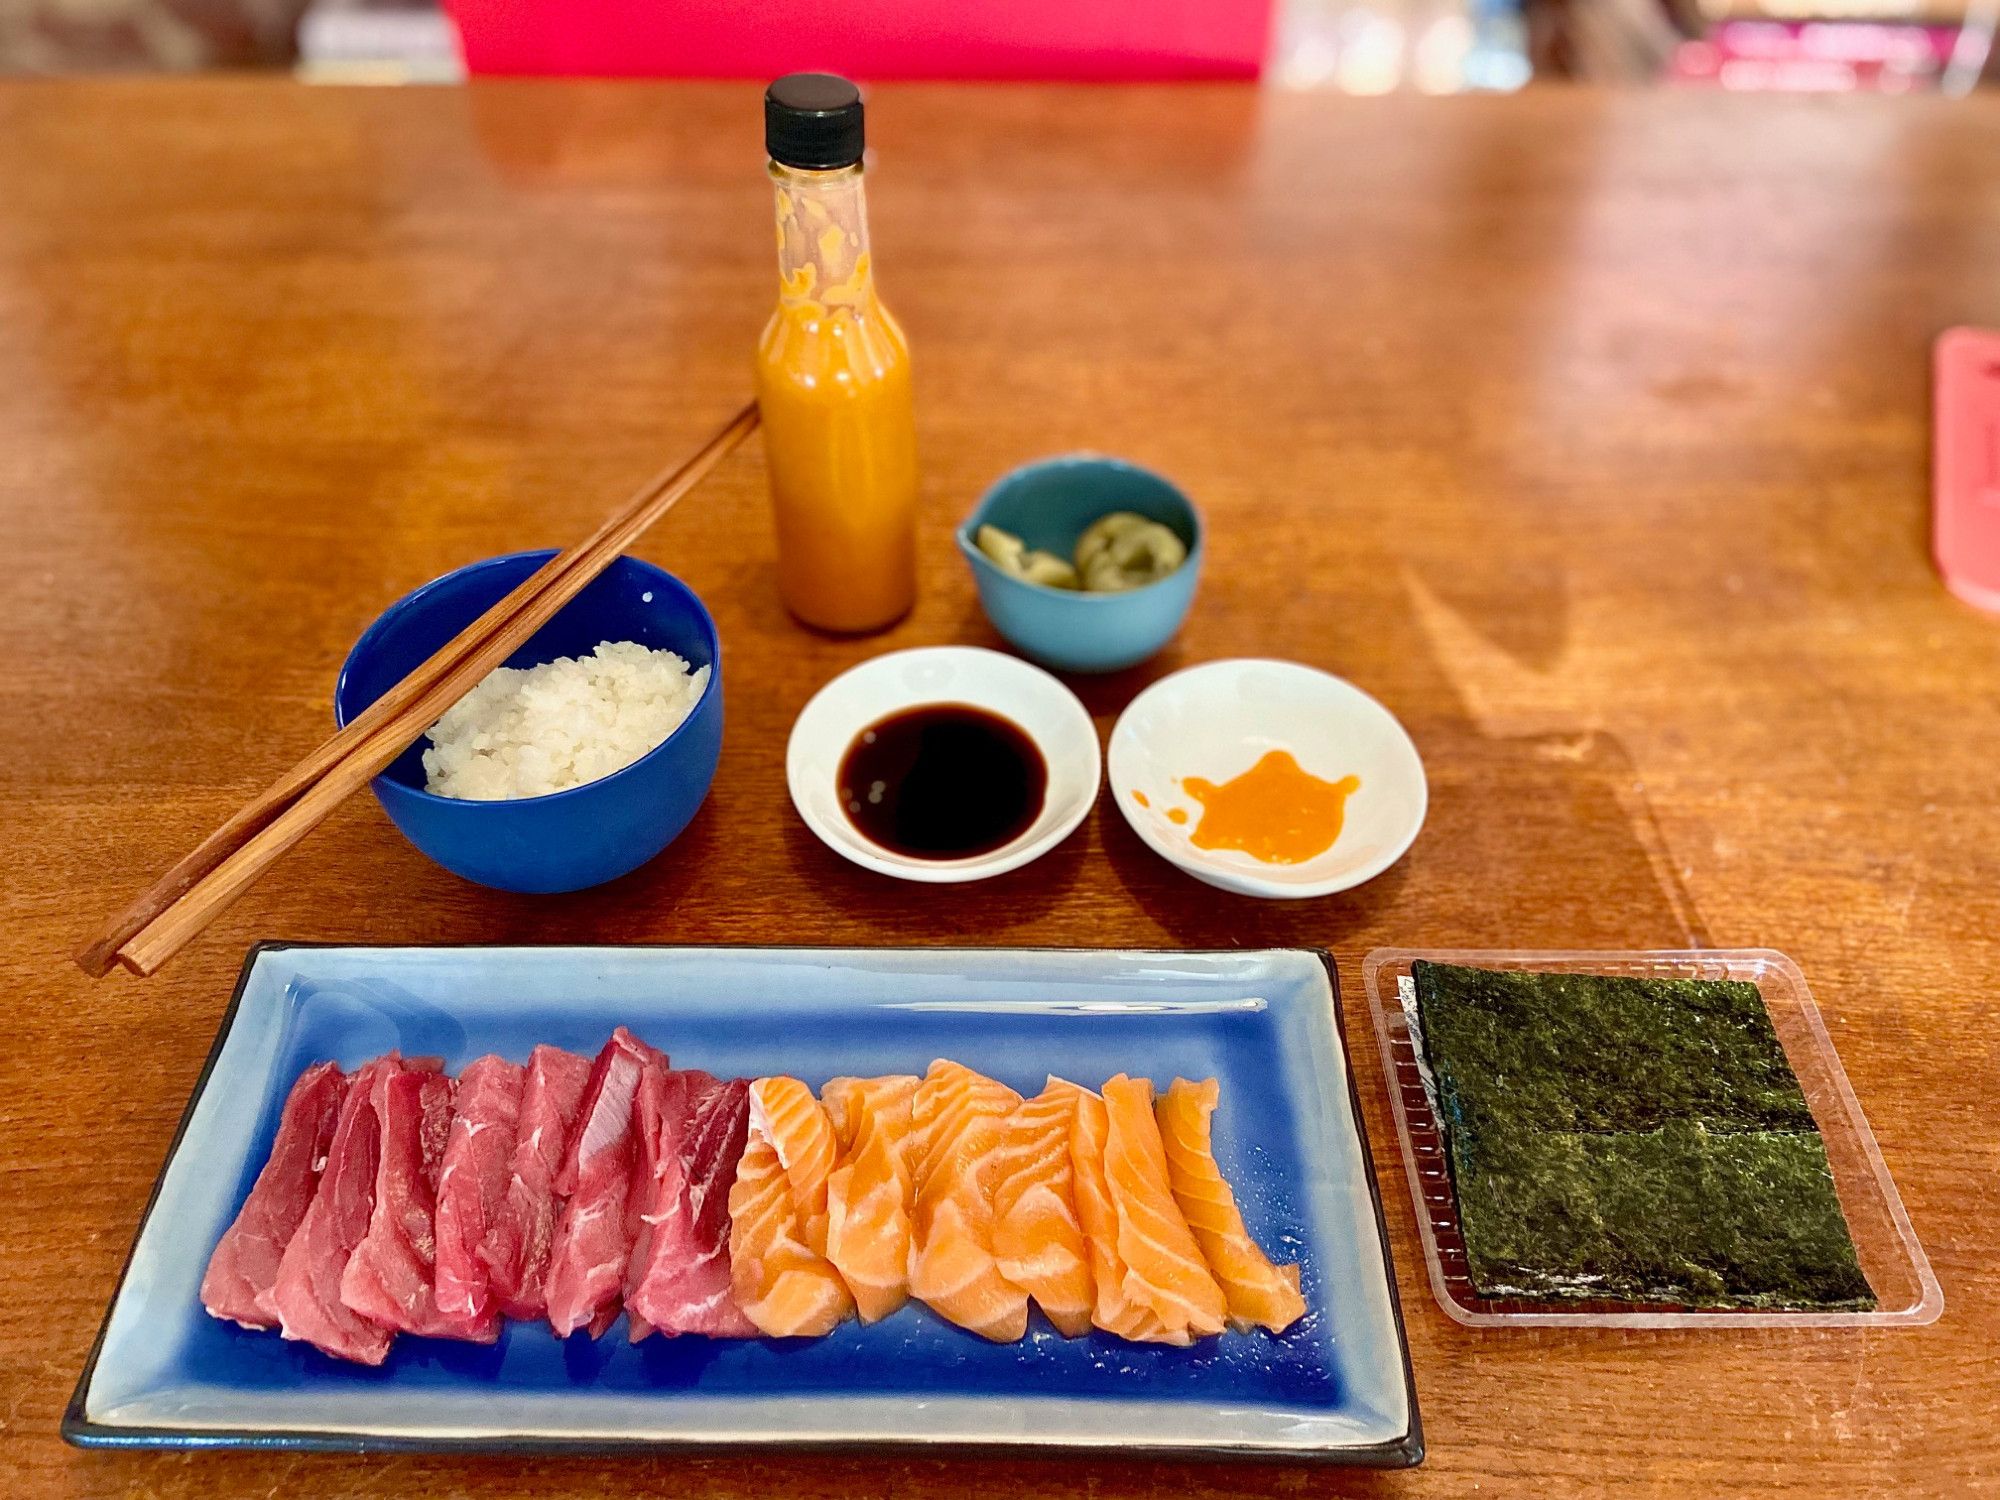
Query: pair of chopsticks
x,y
175,909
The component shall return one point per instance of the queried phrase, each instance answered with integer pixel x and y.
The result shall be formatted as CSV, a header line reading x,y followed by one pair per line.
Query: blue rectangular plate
x,y
1335,1387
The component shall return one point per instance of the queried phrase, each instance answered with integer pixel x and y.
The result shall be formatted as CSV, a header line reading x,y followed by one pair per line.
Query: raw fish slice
x,y
958,1120
588,1257
516,1248
797,1127
868,1194
659,1115
390,1278
1164,1269
777,1208
478,1159
1115,1312
1038,1241
1259,1294
305,1299
244,1266
681,1283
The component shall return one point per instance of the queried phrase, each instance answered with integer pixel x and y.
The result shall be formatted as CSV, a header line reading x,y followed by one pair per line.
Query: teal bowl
x,y
1049,505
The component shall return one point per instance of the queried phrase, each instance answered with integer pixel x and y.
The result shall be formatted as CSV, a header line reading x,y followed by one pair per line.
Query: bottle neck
x,y
822,237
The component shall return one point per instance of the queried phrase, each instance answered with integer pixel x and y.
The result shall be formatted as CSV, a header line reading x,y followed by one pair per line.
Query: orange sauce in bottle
x,y
833,387
1277,811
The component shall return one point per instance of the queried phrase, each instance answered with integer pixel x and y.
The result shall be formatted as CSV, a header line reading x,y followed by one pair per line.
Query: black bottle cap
x,y
813,121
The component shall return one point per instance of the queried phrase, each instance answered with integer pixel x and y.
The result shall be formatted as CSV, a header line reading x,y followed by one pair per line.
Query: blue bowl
x,y
570,839
1049,505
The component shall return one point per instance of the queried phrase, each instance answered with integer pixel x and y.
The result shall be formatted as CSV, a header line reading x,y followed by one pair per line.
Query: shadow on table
x,y
1575,861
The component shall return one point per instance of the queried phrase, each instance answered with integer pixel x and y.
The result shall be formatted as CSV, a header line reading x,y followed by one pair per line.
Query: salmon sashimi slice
x,y
1114,1312
1038,1241
1259,1294
782,1282
958,1120
244,1267
1164,1268
797,1126
868,1193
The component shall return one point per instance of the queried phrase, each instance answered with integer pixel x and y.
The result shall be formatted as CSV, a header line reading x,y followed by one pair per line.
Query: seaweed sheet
x,y
1582,1052
1638,1140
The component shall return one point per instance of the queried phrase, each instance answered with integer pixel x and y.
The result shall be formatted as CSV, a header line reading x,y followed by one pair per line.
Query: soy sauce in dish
x,y
943,781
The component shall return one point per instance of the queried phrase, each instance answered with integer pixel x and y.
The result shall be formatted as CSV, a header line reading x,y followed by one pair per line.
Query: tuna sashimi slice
x,y
958,1121
516,1248
1259,1294
1038,1241
306,1296
390,1277
868,1195
472,1185
588,1257
244,1267
679,1279
1164,1268
779,1272
659,1114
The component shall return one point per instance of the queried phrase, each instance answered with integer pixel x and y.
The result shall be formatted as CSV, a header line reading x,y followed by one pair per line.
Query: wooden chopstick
x,y
97,957
190,895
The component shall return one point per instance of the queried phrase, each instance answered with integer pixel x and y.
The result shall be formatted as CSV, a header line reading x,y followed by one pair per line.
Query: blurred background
x,y
1352,46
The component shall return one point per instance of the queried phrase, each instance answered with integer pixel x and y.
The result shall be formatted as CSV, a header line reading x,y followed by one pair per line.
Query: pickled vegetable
x,y
1116,552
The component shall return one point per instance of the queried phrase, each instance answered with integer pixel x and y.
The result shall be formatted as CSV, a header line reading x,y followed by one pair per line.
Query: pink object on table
x,y
1965,465
867,39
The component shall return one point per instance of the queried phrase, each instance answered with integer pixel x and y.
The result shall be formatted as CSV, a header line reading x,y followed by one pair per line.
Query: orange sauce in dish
x,y
1140,797
1276,811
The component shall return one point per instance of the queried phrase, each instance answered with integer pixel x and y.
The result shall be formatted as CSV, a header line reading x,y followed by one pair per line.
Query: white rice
x,y
528,732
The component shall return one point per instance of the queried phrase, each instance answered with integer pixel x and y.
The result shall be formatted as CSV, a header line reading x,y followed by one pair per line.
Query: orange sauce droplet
x,y
1177,815
1140,797
1276,811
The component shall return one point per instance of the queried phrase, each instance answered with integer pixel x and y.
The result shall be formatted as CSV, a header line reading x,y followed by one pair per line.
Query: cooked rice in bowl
x,y
526,732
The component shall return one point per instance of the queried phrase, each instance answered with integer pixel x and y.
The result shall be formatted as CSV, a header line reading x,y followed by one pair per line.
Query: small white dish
x,y
1217,720
1045,710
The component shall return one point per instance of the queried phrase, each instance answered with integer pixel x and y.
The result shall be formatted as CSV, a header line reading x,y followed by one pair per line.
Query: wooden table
x,y
1587,431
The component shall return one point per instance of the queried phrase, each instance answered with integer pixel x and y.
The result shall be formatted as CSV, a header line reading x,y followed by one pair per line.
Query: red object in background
x,y
866,39
1815,57
1965,465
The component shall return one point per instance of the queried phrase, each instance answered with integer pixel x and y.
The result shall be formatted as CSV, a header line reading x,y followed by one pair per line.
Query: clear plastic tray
x,y
1895,1264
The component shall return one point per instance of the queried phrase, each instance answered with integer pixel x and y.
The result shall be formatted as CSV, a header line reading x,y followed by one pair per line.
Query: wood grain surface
x,y
1589,432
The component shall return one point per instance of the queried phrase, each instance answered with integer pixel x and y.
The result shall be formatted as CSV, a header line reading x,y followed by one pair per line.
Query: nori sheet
x,y
1631,1140
1584,1052
1679,1214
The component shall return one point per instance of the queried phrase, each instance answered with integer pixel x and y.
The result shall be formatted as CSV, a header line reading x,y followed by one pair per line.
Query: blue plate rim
x,y
80,1431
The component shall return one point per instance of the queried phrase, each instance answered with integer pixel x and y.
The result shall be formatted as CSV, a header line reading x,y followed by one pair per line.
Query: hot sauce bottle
x,y
833,376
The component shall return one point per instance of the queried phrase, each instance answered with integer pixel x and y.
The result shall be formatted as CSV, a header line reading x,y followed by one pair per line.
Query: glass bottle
x,y
833,376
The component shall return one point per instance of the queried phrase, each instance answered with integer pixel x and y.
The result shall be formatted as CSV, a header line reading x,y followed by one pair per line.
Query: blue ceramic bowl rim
x,y
982,563
416,596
